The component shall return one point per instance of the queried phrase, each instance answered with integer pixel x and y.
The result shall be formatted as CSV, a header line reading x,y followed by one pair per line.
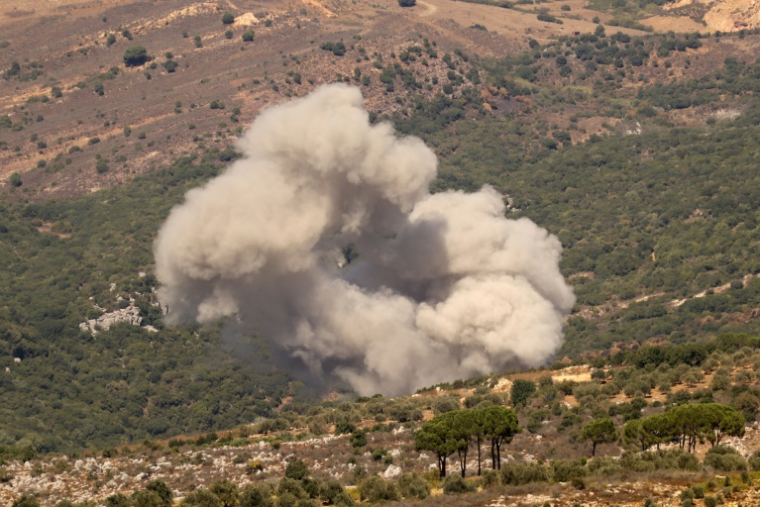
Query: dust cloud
x,y
438,286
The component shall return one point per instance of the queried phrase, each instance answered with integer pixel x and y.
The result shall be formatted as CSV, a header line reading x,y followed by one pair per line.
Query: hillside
x,y
351,441
637,149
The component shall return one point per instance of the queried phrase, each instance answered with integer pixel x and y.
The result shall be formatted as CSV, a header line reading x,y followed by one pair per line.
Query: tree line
x,y
458,430
686,425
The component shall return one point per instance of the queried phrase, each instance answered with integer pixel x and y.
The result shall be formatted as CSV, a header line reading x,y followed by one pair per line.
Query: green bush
x,y
650,461
226,491
725,459
332,493
490,479
754,460
606,467
117,500
358,439
256,496
521,391
337,48
455,485
248,36
101,166
135,56
149,498
291,486
163,491
411,485
564,470
26,501
519,473
228,18
286,500
711,501
376,489
297,470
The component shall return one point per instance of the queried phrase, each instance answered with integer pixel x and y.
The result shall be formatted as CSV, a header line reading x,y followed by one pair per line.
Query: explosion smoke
x,y
444,286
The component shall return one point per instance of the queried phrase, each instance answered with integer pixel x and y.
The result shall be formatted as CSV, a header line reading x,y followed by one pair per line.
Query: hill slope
x,y
637,151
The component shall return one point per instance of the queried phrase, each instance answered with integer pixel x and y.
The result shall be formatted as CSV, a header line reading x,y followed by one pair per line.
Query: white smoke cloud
x,y
444,287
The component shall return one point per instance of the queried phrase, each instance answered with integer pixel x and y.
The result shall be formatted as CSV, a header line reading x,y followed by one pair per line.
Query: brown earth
x,y
708,16
63,44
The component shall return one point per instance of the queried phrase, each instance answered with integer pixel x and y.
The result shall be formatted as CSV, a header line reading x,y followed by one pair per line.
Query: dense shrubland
x,y
67,389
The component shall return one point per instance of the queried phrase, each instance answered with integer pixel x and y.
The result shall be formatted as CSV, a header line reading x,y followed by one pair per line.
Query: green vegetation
x,y
687,424
662,215
337,48
457,430
135,56
599,431
70,390
170,66
650,214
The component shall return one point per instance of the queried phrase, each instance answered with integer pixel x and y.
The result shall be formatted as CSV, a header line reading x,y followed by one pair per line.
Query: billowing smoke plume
x,y
443,287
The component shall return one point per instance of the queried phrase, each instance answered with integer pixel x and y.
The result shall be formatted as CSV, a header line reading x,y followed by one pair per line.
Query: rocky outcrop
x,y
727,15
733,15
130,315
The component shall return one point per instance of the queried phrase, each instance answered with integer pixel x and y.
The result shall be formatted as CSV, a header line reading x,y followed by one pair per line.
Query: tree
x,y
659,428
435,436
748,404
228,18
248,36
117,500
297,470
407,3
722,421
146,498
463,427
135,56
599,431
163,491
634,434
201,498
411,485
227,492
444,404
16,180
521,392
256,496
705,421
500,426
